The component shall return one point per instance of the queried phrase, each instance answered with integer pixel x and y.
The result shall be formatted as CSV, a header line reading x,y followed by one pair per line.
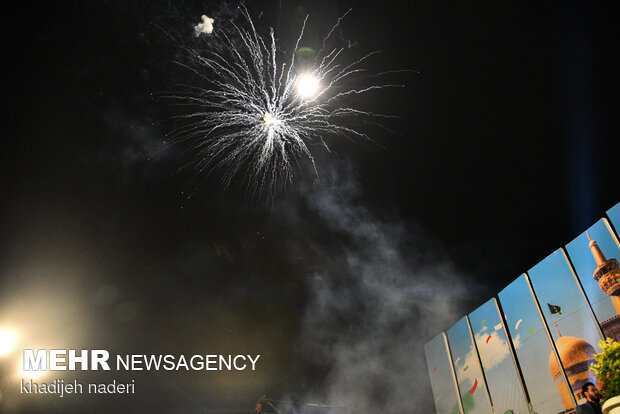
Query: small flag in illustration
x,y
531,330
483,322
498,326
554,309
473,389
518,323
488,339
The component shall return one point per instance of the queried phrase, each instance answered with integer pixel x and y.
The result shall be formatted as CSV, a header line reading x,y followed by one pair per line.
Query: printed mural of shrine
x,y
529,349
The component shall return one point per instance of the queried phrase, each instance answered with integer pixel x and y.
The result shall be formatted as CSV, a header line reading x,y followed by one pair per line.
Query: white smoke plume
x,y
376,298
205,27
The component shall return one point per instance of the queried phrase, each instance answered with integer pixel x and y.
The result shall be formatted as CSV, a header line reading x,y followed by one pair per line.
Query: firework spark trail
x,y
252,120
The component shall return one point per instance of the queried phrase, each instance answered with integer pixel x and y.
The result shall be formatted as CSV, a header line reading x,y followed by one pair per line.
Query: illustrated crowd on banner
x,y
529,349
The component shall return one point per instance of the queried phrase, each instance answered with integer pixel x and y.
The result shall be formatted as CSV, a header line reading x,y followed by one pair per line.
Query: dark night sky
x,y
505,151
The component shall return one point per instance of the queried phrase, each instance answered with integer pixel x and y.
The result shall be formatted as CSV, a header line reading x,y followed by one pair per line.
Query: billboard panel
x,y
569,318
504,383
533,348
469,376
441,374
614,216
595,255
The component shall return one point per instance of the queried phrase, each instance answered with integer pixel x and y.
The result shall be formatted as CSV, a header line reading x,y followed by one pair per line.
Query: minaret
x,y
607,274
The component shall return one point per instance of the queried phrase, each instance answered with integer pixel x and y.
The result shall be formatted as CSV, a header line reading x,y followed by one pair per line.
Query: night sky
x,y
502,152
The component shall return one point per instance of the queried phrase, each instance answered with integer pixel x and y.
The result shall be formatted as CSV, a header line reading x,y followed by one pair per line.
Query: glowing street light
x,y
8,341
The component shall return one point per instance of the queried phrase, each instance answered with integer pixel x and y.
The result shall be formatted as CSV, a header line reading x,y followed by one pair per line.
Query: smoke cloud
x,y
377,296
205,27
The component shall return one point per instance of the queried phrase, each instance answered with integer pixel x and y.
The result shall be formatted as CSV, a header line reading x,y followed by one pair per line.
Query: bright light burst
x,y
259,116
8,341
307,86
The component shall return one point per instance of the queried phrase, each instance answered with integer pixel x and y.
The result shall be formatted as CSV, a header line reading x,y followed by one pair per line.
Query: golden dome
x,y
572,351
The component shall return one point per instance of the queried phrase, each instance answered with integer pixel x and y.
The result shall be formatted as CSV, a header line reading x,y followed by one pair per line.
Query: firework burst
x,y
259,115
